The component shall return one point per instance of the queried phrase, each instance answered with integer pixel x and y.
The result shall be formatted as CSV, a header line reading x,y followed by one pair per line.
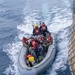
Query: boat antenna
x,y
40,22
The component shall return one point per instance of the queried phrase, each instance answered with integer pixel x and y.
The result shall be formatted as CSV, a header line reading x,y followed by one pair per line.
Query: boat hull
x,y
39,68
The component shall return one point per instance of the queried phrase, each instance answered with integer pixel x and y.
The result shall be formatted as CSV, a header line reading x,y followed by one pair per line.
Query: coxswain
x,y
43,29
36,30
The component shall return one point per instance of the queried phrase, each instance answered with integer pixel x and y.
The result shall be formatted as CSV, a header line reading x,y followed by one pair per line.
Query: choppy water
x,y
16,21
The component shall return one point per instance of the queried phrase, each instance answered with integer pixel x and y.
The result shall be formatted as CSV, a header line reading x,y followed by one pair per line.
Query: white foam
x,y
67,3
62,19
13,51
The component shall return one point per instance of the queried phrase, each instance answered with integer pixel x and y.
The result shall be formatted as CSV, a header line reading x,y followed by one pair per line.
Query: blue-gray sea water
x,y
16,19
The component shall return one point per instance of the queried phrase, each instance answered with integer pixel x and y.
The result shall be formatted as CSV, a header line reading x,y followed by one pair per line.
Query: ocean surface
x,y
16,19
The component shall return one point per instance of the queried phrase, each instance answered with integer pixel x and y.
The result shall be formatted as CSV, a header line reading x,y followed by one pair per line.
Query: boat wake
x,y
59,20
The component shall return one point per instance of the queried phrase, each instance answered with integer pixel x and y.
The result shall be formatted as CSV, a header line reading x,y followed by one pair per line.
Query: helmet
x,y
24,37
31,58
36,25
29,55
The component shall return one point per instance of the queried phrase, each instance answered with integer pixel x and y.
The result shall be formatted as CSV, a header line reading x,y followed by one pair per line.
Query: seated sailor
x,y
30,61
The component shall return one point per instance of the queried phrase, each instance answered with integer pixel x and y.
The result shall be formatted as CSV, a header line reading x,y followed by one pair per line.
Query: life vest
x,y
31,59
34,44
36,30
24,40
44,27
41,39
48,38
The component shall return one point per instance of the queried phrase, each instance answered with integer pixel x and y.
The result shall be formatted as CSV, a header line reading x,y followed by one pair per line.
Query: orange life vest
x,y
36,30
48,38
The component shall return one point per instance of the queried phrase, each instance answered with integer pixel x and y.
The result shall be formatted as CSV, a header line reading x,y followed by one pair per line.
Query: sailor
x,y
34,48
40,39
43,29
36,30
33,43
30,60
48,39
25,42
